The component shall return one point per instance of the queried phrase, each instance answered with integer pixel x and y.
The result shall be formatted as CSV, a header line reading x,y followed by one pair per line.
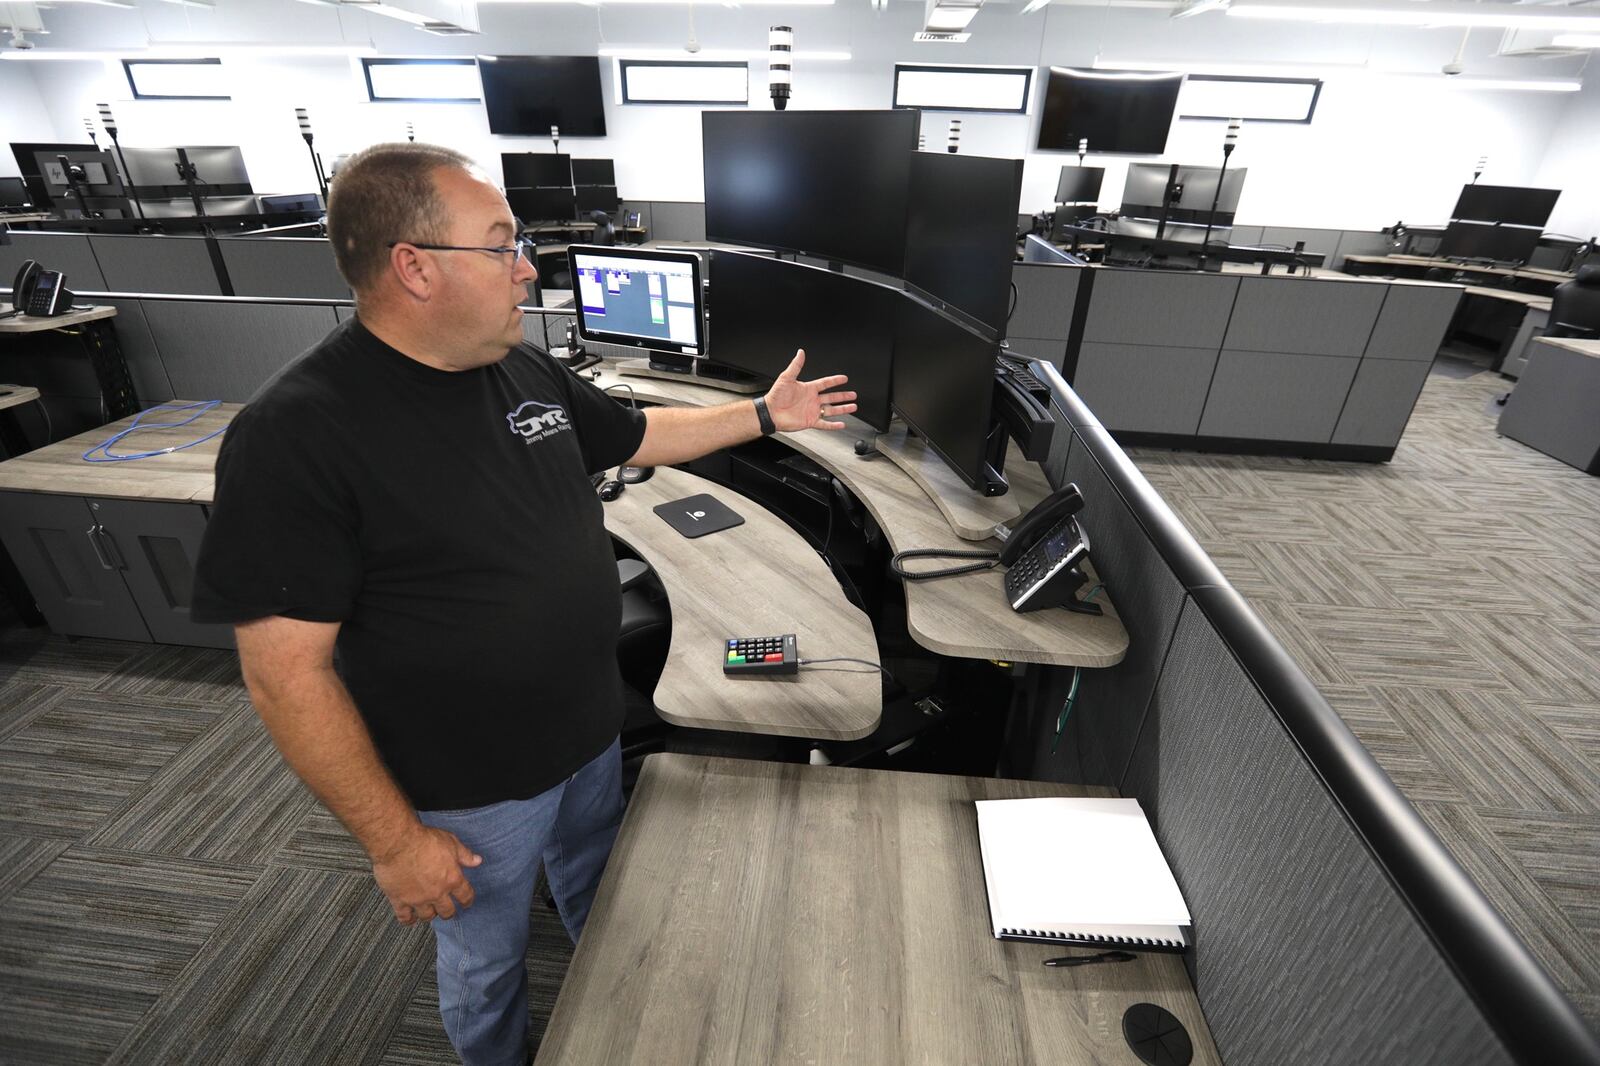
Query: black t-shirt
x,y
446,519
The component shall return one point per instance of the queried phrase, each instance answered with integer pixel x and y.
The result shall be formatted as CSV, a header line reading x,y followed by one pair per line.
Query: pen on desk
x,y
1085,960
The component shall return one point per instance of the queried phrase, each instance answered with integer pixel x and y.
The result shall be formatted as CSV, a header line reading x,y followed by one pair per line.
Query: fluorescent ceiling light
x,y
623,51
949,19
727,3
191,51
1577,40
1415,13
1327,70
1033,5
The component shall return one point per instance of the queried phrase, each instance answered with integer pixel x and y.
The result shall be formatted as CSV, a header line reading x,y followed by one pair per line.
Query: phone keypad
x,y
761,655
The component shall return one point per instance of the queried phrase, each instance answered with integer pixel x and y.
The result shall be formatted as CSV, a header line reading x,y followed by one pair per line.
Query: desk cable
x,y
633,399
199,407
846,659
992,559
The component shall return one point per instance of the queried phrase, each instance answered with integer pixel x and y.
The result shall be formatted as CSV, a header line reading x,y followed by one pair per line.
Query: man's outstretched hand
x,y
796,404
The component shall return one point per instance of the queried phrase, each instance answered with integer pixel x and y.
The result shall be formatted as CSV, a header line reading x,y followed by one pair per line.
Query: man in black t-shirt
x,y
414,492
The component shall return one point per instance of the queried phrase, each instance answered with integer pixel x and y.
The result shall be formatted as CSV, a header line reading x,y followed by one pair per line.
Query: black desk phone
x,y
39,292
1043,556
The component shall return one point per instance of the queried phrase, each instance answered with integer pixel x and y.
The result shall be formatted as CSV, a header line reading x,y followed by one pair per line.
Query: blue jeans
x,y
483,980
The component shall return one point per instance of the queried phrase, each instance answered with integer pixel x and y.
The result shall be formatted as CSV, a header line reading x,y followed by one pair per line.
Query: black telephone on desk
x,y
1044,554
40,293
1043,557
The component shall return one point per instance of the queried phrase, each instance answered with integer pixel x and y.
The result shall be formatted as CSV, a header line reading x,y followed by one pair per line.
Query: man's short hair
x,y
383,194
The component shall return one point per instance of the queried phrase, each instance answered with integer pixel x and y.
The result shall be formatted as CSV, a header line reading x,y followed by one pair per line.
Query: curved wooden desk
x,y
758,579
965,616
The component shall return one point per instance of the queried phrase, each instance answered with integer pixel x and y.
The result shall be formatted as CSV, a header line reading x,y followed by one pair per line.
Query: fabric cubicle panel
x,y
226,350
283,267
1360,242
1303,950
677,221
1323,242
67,252
139,351
156,263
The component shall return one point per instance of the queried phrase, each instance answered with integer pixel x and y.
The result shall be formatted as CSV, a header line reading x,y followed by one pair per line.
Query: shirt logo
x,y
536,421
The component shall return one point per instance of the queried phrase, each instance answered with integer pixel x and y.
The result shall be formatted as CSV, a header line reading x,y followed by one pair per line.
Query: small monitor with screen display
x,y
643,299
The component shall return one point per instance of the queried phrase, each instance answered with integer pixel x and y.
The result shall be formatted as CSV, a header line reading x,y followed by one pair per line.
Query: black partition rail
x,y
1513,991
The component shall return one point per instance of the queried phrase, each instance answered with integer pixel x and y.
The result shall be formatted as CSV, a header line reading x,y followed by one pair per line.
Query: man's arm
x,y
679,434
288,668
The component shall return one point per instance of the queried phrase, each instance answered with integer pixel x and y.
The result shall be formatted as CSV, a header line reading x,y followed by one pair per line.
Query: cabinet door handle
x,y
99,552
110,542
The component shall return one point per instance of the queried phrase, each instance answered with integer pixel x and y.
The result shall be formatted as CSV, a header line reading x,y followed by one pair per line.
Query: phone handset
x,y
1044,555
22,285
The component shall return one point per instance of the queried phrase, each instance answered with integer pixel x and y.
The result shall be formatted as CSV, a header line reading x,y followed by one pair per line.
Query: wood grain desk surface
x,y
30,324
181,477
966,616
1532,273
777,913
1575,344
27,216
757,579
16,395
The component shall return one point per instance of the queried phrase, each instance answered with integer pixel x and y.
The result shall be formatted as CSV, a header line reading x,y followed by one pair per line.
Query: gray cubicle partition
x,y
285,267
1325,367
677,221
1330,925
156,263
67,252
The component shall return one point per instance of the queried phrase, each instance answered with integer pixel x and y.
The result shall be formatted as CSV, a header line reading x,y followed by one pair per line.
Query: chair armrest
x,y
631,572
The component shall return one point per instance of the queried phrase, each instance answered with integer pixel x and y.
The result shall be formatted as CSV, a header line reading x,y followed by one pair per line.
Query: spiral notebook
x,y
1079,871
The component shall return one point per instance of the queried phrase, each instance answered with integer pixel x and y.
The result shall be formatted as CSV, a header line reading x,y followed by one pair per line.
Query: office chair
x,y
1575,306
642,642
1574,310
605,234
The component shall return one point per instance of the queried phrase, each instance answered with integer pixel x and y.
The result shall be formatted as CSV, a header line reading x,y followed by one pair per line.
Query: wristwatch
x,y
765,416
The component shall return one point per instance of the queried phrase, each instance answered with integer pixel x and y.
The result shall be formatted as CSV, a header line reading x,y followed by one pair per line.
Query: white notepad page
x,y
1077,866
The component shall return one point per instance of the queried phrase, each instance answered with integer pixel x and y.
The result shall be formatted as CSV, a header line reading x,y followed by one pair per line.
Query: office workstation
x,y
1171,502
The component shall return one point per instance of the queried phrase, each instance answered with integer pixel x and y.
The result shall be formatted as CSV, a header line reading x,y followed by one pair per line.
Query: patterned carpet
x,y
1448,605
169,893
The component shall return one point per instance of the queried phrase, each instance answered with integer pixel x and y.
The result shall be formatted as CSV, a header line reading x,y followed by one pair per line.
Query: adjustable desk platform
x,y
966,616
776,913
757,579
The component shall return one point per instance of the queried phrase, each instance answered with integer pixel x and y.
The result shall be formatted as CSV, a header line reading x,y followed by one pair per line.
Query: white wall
x,y
1572,164
1380,149
25,117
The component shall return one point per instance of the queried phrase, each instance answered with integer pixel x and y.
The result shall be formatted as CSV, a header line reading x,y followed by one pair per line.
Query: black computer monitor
x,y
1477,240
1079,185
536,170
1193,187
218,170
961,232
763,309
943,386
597,198
1511,204
98,172
643,299
27,165
14,193
828,183
593,172
533,206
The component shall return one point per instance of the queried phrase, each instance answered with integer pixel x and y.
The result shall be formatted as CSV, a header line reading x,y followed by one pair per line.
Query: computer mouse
x,y
632,475
611,490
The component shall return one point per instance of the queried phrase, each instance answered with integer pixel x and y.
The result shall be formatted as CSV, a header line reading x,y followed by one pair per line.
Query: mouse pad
x,y
695,516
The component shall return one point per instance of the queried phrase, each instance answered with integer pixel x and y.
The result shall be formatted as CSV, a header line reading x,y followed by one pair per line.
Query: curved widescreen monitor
x,y
943,386
1115,110
762,309
528,94
642,299
832,184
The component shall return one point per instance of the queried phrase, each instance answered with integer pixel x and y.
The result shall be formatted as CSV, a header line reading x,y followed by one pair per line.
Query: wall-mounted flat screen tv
x,y
1128,111
526,95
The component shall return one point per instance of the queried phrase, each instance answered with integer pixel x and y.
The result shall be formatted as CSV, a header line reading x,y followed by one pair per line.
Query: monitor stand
x,y
971,515
694,371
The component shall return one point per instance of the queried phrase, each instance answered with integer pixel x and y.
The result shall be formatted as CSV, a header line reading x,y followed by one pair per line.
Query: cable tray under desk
x,y
641,368
971,516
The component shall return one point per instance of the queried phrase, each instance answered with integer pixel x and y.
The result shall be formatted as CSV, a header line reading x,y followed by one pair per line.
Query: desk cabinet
x,y
119,569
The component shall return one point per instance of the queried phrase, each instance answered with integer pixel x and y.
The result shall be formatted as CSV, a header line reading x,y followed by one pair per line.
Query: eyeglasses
x,y
522,249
